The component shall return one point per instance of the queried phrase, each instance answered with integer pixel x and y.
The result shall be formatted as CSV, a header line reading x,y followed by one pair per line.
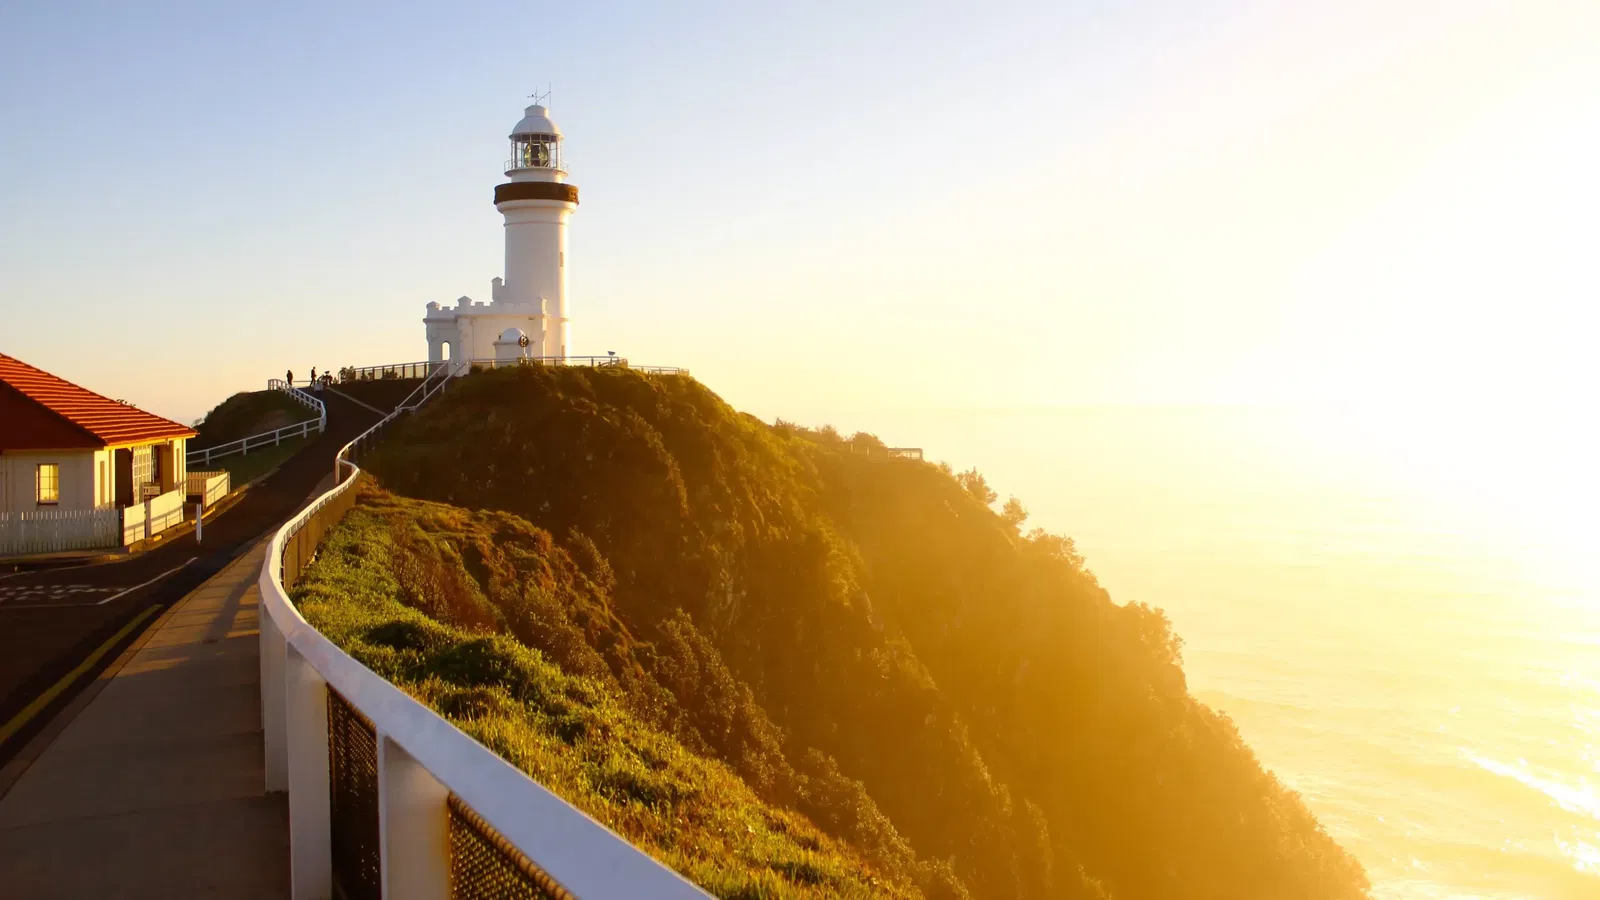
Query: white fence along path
x,y
204,457
421,758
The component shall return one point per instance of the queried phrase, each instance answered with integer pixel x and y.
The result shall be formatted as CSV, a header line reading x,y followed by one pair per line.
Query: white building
x,y
527,313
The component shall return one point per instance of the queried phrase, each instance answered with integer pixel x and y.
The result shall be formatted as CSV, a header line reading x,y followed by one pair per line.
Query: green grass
x,y
580,736
865,640
243,467
245,414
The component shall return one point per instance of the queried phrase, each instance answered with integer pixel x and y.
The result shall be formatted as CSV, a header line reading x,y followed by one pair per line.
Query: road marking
x,y
120,593
151,581
40,702
52,591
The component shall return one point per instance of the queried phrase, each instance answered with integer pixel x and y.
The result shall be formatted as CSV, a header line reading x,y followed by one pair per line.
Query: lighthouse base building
x,y
527,313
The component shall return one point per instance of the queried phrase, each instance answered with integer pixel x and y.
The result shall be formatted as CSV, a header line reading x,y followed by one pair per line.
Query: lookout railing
x,y
389,371
386,798
425,369
586,361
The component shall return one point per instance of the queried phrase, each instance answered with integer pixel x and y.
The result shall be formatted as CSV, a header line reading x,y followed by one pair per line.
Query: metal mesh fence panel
x,y
353,801
484,865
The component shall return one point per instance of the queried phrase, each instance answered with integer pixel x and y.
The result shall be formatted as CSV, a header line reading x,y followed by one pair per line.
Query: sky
x,y
995,230
830,209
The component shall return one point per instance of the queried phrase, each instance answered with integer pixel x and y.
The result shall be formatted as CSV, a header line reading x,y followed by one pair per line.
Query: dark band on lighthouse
x,y
535,190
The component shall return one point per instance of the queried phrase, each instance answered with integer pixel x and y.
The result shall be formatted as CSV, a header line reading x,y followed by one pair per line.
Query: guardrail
x,y
392,370
387,798
593,361
205,455
253,442
303,398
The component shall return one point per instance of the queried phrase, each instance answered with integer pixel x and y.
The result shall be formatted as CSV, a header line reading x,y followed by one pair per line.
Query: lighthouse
x,y
531,299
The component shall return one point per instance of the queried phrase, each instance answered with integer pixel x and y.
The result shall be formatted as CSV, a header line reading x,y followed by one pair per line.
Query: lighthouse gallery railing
x,y
387,798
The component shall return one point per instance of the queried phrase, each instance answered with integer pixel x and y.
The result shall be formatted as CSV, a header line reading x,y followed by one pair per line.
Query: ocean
x,y
1414,656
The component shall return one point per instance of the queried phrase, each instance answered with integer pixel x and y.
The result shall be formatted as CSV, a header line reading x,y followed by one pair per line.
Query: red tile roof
x,y
39,411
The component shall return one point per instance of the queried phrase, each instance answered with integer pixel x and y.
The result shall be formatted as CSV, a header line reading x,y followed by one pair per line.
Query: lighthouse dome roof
x,y
536,120
511,335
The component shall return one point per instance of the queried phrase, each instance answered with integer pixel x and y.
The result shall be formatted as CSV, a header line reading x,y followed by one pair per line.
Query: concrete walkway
x,y
154,789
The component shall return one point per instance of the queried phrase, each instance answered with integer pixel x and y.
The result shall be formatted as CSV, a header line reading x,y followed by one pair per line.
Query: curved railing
x,y
385,796
303,398
205,455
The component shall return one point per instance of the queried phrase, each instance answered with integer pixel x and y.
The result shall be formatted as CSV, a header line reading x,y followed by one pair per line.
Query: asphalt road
x,y
69,624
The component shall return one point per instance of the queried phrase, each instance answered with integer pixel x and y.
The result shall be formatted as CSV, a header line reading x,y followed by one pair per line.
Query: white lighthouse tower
x,y
532,298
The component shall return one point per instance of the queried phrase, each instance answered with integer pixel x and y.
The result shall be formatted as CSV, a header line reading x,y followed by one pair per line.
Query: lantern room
x,y
535,143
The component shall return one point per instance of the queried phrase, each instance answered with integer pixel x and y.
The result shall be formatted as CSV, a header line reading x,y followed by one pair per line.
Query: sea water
x,y
1419,674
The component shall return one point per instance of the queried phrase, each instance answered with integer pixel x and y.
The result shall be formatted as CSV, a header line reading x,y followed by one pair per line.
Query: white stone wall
x,y
471,330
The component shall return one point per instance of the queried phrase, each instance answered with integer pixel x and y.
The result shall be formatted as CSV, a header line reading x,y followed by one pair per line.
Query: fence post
x,y
273,661
306,721
413,827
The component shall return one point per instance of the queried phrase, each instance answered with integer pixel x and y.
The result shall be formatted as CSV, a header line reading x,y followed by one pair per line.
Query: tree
x,y
1014,514
974,484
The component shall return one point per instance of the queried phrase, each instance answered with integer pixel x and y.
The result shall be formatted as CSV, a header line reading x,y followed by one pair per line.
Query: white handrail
x,y
421,759
205,455
306,400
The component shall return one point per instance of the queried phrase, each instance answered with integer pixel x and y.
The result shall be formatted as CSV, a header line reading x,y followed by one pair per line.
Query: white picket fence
x,y
57,530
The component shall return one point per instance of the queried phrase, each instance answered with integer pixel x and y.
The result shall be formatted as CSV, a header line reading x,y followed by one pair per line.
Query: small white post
x,y
413,827
199,518
310,843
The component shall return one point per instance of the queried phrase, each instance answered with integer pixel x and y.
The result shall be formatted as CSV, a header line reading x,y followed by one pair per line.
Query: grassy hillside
x,y
864,641
450,604
247,413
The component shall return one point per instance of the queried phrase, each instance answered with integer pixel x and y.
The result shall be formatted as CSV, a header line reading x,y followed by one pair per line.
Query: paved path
x,y
155,789
58,627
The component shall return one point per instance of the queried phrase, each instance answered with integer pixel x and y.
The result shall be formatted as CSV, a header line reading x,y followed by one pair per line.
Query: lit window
x,y
48,483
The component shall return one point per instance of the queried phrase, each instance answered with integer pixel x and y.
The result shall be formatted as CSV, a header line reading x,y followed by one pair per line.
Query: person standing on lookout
x,y
313,374
288,377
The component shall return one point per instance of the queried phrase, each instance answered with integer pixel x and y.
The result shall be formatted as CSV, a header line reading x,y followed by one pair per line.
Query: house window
x,y
47,483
